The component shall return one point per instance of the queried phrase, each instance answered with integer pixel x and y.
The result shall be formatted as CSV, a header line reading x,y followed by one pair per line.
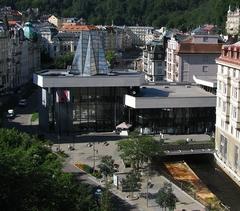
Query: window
x,y
219,102
224,107
205,68
234,73
236,156
234,112
224,89
205,39
234,92
223,147
219,85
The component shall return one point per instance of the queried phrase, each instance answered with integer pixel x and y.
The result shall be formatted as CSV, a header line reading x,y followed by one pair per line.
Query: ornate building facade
x,y
233,22
227,135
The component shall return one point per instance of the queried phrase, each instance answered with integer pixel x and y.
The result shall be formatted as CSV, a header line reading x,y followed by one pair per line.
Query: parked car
x,y
10,114
22,102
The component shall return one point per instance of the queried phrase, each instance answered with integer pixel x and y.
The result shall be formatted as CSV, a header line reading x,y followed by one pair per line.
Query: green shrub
x,y
181,142
62,154
34,117
97,174
87,168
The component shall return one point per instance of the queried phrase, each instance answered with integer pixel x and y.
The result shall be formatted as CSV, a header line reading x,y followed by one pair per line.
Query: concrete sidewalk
x,y
193,137
84,154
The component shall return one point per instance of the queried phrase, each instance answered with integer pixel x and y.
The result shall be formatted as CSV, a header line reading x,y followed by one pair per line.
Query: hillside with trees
x,y
172,13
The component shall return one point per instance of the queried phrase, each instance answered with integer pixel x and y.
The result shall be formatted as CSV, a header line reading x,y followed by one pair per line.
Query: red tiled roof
x,y
230,54
77,28
13,22
192,48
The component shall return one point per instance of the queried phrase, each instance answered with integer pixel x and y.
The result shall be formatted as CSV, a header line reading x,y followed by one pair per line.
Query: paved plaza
x,y
104,144
85,154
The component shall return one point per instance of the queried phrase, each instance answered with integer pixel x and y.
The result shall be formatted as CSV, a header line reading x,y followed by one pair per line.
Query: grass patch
x,y
88,169
181,142
34,117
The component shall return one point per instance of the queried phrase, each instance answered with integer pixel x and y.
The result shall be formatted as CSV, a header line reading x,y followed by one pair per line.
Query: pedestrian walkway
x,y
185,202
84,154
192,137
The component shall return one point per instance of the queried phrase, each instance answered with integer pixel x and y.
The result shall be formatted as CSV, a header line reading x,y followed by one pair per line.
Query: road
x,y
118,203
22,121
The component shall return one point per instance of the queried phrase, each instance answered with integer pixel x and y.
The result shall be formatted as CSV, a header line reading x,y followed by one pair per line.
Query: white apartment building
x,y
139,34
189,56
153,61
227,136
233,22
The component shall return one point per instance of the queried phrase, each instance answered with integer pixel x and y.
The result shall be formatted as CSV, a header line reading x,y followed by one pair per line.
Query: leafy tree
x,y
107,165
132,182
63,61
165,197
139,149
111,58
32,178
106,204
172,13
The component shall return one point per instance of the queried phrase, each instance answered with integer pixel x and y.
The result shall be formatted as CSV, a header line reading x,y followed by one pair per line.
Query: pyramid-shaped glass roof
x,y
89,57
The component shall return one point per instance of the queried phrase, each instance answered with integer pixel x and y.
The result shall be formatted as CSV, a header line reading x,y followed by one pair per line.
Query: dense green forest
x,y
171,13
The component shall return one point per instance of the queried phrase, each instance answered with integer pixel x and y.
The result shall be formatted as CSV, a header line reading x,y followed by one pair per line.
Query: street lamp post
x,y
148,179
94,156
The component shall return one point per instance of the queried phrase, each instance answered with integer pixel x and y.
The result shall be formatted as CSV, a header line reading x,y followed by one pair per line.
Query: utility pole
x,y
59,126
148,179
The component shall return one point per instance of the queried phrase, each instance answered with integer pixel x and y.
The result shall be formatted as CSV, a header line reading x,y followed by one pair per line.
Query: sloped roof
x,y
77,28
199,48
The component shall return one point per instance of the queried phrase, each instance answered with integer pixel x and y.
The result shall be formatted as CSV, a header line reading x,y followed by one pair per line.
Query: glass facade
x,y
176,120
89,57
97,109
92,109
102,108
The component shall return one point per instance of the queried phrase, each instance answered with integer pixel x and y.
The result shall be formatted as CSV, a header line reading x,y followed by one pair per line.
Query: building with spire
x,y
233,22
89,57
88,96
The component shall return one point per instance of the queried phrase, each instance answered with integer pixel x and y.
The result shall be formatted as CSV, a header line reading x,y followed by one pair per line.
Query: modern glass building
x,y
84,103
90,98
172,109
176,120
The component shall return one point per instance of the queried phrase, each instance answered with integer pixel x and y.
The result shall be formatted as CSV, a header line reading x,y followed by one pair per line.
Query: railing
x,y
188,146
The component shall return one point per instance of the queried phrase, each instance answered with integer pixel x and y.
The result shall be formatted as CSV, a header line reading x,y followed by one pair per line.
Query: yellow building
x,y
55,21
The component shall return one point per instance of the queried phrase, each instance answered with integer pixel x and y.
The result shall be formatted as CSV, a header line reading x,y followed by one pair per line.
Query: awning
x,y
123,125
